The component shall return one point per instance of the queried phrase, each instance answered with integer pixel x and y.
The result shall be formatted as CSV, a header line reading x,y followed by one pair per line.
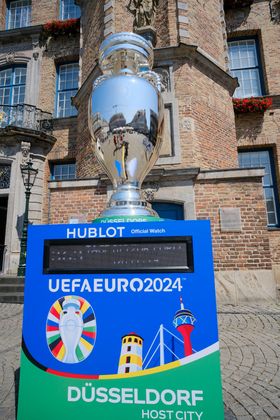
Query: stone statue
x,y
144,12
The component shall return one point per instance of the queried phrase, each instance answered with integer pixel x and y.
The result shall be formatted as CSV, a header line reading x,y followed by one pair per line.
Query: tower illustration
x,y
131,353
184,323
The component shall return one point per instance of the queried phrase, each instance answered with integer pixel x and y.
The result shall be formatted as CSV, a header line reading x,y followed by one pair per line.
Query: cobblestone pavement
x,y
250,354
10,341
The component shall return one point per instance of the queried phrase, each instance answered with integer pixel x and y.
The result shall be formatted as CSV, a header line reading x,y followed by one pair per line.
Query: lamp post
x,y
28,175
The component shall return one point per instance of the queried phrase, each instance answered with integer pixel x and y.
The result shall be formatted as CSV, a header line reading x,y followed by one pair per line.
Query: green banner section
x,y
124,219
188,392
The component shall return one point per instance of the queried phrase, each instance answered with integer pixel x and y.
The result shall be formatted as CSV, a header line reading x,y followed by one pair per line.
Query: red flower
x,y
251,104
61,27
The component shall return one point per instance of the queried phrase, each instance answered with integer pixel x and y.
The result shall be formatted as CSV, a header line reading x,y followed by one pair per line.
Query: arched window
x,y
12,85
168,210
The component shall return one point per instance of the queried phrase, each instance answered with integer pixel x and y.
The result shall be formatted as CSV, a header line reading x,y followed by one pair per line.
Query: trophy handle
x,y
154,78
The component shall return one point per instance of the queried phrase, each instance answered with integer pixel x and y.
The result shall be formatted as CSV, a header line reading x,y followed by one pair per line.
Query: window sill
x,y
273,228
74,183
65,118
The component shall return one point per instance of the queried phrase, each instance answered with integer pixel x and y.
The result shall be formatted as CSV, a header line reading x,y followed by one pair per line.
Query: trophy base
x,y
127,201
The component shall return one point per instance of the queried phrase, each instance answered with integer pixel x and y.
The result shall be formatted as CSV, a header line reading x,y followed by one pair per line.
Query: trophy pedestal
x,y
127,201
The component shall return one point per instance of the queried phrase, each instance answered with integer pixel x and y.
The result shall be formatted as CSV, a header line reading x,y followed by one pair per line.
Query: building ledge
x,y
74,183
58,120
201,60
234,173
9,35
13,133
156,175
162,175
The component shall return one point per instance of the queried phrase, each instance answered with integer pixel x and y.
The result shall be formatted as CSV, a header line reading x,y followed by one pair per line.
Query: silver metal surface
x,y
125,50
126,120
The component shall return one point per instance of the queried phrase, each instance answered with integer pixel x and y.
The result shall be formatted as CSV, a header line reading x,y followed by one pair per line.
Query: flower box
x,y
251,104
57,28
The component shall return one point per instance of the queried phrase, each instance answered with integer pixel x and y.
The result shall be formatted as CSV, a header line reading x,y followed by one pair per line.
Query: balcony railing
x,y
25,116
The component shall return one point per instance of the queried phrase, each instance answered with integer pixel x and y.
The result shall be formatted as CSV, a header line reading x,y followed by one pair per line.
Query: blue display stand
x,y
120,322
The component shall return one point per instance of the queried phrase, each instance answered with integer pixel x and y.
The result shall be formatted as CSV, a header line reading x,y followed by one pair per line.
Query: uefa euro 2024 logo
x,y
71,329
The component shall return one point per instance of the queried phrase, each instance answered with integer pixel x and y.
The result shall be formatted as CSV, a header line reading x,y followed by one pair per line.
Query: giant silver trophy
x,y
126,120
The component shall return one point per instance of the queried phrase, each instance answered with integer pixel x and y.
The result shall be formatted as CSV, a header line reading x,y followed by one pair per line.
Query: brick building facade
x,y
213,158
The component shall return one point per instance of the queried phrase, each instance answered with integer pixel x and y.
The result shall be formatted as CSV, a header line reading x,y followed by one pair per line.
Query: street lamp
x,y
28,175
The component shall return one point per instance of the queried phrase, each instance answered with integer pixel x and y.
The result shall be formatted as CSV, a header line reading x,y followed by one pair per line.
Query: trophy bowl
x,y
126,120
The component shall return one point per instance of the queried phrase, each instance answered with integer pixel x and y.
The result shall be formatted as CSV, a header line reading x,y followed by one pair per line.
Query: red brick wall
x,y
123,18
206,118
92,23
166,23
87,165
44,11
256,130
65,131
3,13
205,27
68,202
248,249
274,240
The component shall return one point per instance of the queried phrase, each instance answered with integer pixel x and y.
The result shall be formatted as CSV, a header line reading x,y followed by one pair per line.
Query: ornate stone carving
x,y
149,192
35,43
10,57
144,12
25,150
36,47
275,10
36,55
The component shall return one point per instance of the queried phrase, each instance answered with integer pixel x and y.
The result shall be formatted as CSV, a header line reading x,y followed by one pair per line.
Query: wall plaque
x,y
230,219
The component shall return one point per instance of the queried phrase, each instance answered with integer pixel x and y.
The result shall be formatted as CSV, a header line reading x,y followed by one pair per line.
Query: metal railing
x,y
26,116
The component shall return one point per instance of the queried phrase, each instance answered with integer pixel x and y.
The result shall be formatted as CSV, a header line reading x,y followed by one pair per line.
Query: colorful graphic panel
x,y
121,344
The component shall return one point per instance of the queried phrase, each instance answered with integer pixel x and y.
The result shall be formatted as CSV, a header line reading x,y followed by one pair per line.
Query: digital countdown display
x,y
100,256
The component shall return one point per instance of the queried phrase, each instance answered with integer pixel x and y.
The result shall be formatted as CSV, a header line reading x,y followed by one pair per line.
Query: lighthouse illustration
x,y
184,323
131,353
